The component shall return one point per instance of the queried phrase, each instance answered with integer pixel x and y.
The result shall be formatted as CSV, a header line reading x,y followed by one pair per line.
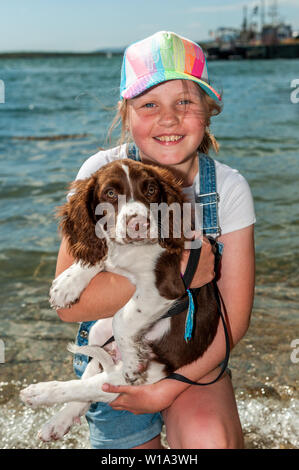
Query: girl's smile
x,y
167,123
169,139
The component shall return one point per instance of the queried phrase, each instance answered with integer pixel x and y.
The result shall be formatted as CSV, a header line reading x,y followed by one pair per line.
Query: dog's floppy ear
x,y
172,194
78,221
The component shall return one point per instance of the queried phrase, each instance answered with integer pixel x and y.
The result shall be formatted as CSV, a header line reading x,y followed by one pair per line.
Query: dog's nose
x,y
137,226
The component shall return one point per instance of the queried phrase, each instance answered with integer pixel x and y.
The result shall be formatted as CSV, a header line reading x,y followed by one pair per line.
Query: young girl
x,y
165,109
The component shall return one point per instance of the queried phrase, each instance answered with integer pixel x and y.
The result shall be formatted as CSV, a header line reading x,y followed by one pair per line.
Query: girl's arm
x,y
103,297
236,286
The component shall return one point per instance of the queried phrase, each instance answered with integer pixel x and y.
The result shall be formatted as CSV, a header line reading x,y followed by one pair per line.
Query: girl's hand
x,y
205,272
139,399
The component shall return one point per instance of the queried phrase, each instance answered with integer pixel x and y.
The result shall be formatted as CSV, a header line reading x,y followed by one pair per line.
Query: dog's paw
x,y
53,431
39,394
134,380
64,291
134,377
57,427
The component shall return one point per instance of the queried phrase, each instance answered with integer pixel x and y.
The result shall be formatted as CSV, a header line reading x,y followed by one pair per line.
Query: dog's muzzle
x,y
135,224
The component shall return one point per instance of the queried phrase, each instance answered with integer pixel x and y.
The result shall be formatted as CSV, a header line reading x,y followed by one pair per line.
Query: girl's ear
x,y
78,221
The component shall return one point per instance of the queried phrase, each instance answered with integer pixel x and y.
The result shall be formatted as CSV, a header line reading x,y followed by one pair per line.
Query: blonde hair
x,y
212,108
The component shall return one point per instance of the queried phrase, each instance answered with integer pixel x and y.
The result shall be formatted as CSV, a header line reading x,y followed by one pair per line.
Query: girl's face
x,y
167,123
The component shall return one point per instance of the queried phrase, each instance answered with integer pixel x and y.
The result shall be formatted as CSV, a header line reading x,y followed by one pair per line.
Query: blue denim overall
x,y
112,429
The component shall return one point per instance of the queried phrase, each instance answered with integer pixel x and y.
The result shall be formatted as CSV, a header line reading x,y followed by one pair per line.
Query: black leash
x,y
187,279
182,378
110,340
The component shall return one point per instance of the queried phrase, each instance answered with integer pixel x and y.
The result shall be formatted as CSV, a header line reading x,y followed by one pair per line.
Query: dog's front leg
x,y
68,286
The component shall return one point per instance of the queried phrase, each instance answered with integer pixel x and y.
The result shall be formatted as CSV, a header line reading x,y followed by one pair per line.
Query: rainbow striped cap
x,y
161,57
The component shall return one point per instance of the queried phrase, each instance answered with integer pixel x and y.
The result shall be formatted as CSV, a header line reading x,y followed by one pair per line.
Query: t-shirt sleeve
x,y
236,206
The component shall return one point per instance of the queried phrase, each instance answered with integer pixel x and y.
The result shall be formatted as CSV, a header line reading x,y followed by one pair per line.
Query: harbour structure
x,y
262,35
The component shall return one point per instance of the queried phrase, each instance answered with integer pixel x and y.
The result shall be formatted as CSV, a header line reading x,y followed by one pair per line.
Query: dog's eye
x,y
111,193
151,190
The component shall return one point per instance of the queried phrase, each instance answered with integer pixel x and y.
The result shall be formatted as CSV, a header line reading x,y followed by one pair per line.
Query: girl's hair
x,y
212,108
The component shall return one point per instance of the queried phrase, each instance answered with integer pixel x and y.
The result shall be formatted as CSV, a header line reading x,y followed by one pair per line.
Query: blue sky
x,y
85,25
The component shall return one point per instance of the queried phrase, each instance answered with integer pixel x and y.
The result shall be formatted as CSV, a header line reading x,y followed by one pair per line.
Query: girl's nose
x,y
168,117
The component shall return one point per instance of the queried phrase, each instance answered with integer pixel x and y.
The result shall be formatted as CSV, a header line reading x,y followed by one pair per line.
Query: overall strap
x,y
207,196
133,152
83,332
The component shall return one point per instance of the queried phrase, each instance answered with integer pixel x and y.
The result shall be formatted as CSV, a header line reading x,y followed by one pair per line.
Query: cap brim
x,y
145,83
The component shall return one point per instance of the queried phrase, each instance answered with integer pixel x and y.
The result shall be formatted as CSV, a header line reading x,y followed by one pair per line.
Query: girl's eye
x,y
149,105
184,102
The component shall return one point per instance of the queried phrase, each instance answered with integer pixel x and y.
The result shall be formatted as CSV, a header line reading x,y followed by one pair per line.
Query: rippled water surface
x,y
57,113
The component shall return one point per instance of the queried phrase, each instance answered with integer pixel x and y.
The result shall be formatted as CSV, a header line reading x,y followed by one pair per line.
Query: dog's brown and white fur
x,y
150,347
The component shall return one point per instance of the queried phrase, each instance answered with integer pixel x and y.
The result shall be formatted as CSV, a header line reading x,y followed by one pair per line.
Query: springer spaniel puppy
x,y
111,224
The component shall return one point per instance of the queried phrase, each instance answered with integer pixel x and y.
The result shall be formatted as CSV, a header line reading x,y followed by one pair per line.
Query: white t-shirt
x,y
235,207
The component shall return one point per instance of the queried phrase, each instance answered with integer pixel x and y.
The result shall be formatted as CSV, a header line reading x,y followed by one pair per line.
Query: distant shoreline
x,y
275,51
39,54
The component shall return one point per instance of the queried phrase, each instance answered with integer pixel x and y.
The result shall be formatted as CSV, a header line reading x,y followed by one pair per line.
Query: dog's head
x,y
127,202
